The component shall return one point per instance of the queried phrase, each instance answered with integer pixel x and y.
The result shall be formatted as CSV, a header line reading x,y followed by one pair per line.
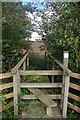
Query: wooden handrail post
x,y
18,79
28,61
65,86
24,65
53,75
15,91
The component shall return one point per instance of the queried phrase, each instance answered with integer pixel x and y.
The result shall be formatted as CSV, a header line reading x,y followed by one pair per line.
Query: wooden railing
x,y
6,86
14,72
73,96
16,84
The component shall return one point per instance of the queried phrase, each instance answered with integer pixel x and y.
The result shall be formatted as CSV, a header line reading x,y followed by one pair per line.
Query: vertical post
x,y
65,87
24,65
53,75
48,111
15,91
18,79
28,61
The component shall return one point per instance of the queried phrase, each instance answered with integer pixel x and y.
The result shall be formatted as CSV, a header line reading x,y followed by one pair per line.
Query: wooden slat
x,y
28,97
41,85
5,86
74,97
7,96
9,105
19,63
42,97
74,86
77,109
5,75
75,75
41,72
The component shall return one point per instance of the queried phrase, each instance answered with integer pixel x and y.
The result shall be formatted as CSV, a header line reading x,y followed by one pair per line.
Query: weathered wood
x,y
74,97
8,96
65,87
24,65
75,75
42,97
15,91
41,72
77,109
9,105
48,111
6,86
18,79
65,63
67,71
74,86
5,75
41,85
28,61
28,97
14,70
53,75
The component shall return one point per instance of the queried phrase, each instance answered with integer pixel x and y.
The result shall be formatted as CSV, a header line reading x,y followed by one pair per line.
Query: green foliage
x,y
37,61
15,27
62,33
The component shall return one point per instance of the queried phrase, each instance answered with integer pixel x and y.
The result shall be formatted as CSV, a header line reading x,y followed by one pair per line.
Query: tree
x,y
15,28
62,33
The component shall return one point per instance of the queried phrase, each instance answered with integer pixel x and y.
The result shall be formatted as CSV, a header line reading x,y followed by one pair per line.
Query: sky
x,y
40,7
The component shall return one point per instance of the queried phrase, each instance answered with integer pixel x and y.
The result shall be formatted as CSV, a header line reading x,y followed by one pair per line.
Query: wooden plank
x,y
74,97
75,75
6,86
9,105
42,97
75,108
5,75
41,72
74,86
15,92
41,85
8,96
28,97
14,70
66,80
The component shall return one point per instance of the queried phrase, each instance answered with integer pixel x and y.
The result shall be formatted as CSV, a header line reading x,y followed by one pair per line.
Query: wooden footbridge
x,y
48,100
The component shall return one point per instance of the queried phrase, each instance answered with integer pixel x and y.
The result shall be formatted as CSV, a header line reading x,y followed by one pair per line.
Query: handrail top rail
x,y
67,70
14,70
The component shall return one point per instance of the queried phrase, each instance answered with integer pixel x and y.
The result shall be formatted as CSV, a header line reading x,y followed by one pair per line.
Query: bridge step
x,y
43,97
